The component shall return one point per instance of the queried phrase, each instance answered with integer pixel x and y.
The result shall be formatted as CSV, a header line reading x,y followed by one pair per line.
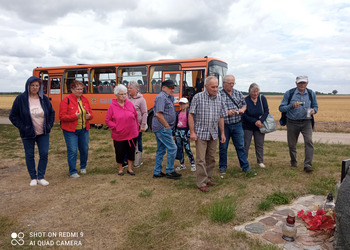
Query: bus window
x,y
218,69
155,76
55,84
103,80
176,78
44,76
193,83
137,74
71,75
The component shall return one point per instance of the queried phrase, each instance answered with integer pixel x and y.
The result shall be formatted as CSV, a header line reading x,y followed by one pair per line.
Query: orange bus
x,y
100,79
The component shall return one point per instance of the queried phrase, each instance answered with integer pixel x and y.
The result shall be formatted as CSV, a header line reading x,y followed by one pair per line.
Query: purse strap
x,y
231,98
261,104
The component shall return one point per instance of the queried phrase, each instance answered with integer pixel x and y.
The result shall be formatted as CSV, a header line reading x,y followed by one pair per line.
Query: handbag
x,y
269,124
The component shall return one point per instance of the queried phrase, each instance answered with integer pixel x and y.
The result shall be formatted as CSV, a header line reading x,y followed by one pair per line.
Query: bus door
x,y
177,78
54,94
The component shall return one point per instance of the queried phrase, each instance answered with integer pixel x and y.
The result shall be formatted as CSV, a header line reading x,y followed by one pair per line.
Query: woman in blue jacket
x,y
33,115
252,119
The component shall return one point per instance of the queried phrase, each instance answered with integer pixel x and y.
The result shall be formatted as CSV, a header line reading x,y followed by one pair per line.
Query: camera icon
x,y
17,239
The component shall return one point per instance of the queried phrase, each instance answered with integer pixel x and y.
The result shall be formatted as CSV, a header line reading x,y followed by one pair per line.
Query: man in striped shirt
x,y
207,111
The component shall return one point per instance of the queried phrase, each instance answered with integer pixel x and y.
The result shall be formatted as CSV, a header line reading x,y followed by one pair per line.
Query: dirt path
x,y
322,137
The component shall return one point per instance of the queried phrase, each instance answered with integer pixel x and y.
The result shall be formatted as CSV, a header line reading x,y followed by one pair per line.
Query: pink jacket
x,y
122,121
141,108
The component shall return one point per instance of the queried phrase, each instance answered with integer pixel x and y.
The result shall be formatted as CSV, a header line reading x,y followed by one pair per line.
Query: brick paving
x,y
268,228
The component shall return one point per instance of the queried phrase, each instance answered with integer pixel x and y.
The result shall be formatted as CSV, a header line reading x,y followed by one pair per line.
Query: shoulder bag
x,y
269,124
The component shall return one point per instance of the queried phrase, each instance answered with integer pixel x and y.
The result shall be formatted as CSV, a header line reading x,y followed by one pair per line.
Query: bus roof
x,y
159,62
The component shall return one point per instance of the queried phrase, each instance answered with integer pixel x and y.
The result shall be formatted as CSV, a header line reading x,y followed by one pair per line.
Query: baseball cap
x,y
183,100
168,83
302,79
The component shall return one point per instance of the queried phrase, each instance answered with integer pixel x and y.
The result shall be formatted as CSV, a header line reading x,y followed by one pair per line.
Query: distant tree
x,y
335,92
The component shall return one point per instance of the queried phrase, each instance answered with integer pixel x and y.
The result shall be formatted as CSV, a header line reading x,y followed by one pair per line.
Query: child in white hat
x,y
182,136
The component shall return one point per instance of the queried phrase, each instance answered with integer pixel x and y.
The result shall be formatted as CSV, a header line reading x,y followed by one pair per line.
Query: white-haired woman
x,y
121,118
252,119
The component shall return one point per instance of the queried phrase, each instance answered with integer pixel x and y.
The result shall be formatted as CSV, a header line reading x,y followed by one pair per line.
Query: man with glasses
x,y
162,124
236,106
300,104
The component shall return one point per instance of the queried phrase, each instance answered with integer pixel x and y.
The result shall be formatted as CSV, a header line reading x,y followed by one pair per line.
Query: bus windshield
x,y
218,69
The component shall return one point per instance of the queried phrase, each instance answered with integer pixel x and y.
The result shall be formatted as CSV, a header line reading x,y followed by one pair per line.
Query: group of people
x,y
213,115
223,114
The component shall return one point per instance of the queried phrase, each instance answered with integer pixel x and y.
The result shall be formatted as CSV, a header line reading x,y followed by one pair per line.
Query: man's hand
x,y
193,136
231,112
223,138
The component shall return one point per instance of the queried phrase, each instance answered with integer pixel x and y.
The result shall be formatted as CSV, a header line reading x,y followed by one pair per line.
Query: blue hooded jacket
x,y
20,112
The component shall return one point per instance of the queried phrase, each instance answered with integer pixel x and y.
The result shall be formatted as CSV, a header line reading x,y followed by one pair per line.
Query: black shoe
x,y
173,175
161,174
130,173
308,169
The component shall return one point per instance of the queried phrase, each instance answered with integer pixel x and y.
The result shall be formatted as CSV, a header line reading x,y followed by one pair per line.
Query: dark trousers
x,y
294,128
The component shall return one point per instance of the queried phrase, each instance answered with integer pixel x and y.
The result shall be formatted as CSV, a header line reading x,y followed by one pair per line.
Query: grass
x,y
141,212
146,192
223,210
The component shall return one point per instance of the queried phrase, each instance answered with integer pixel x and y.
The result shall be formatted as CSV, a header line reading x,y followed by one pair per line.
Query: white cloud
x,y
265,41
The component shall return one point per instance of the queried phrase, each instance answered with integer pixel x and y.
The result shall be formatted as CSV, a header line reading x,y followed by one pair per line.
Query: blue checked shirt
x,y
239,99
163,103
207,113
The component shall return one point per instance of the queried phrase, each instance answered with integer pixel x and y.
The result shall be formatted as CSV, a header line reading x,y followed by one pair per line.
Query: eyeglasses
x,y
171,87
302,83
122,94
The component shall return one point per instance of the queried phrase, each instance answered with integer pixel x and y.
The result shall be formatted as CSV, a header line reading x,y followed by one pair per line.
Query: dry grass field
x,y
105,211
6,101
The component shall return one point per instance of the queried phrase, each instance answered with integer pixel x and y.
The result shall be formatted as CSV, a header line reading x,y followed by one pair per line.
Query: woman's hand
x,y
87,116
77,114
258,124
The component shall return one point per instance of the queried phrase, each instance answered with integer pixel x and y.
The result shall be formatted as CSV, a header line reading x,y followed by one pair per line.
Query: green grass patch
x,y
146,192
277,198
223,210
322,186
186,182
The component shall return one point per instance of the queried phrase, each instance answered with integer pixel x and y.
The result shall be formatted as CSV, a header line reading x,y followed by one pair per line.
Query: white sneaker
x,y
262,165
182,166
83,171
74,176
193,168
33,183
43,182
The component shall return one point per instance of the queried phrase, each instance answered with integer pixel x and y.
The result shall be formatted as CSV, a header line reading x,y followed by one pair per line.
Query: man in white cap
x,y
300,104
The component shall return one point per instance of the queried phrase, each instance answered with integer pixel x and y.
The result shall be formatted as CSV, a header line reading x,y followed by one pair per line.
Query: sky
x,y
268,42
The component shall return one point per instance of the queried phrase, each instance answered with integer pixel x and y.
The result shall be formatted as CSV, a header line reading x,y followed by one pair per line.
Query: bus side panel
x,y
99,104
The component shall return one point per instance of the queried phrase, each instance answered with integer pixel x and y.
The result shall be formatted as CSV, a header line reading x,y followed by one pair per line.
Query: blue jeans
x,y
234,131
165,142
29,147
74,141
139,142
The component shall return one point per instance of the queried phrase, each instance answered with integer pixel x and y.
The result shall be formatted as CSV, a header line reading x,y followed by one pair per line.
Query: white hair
x,y
208,79
120,88
134,84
